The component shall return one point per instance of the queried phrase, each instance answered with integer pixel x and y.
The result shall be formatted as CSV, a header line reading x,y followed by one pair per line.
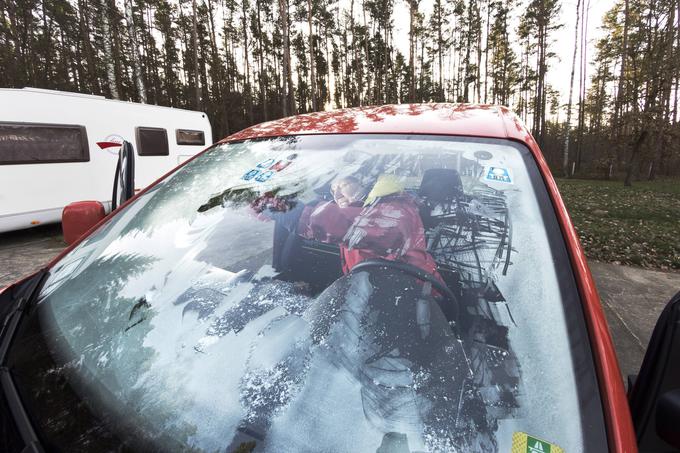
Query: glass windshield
x,y
323,293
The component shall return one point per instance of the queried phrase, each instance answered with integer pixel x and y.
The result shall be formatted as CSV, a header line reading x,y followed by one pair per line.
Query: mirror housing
x,y
655,397
77,218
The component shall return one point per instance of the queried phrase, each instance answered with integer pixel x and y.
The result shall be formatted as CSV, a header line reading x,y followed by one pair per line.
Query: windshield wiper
x,y
9,328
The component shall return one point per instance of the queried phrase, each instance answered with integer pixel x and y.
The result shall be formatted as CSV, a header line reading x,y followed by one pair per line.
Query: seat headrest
x,y
441,184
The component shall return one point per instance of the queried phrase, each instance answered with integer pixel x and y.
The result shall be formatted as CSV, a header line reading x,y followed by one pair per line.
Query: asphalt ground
x,y
632,297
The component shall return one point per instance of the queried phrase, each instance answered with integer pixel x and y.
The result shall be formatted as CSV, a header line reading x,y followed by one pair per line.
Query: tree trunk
x,y
565,160
312,58
368,97
47,34
288,102
668,58
247,93
620,92
486,50
634,153
286,57
263,77
194,38
354,97
411,50
582,95
134,55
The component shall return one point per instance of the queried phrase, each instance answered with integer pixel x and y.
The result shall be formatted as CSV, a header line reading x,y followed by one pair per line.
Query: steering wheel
x,y
451,312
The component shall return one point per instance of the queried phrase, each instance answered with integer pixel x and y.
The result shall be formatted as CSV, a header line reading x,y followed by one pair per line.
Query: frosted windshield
x,y
330,293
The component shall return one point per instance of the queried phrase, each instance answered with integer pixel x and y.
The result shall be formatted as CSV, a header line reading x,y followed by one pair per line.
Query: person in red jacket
x,y
328,221
389,227
383,224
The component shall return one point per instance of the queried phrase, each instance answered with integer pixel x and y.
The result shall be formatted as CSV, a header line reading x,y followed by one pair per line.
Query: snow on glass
x,y
189,324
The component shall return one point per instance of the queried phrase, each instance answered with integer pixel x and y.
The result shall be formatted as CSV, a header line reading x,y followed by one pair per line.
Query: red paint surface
x,y
478,121
77,218
104,145
444,119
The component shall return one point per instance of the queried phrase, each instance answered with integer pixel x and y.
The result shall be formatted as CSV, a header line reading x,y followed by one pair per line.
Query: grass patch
x,y
637,225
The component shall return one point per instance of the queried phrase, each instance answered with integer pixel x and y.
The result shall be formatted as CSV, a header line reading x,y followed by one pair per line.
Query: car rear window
x,y
330,293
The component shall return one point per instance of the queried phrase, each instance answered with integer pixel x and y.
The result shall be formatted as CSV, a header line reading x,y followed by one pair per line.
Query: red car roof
x,y
478,120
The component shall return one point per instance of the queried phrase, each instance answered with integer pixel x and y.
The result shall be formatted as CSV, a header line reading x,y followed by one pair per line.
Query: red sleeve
x,y
382,228
327,222
303,228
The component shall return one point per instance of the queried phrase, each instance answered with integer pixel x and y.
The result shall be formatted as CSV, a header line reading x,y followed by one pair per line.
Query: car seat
x,y
439,188
301,259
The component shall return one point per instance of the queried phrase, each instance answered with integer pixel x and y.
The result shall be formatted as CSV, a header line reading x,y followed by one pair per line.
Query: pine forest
x,y
248,61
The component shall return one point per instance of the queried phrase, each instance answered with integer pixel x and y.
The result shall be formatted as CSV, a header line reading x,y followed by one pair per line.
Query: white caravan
x,y
49,155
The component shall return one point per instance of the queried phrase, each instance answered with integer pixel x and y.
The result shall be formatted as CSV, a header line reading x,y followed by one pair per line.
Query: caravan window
x,y
31,143
152,141
189,137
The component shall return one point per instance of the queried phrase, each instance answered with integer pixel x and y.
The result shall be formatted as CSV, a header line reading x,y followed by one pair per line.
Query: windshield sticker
x,y
264,170
250,174
498,174
266,163
524,443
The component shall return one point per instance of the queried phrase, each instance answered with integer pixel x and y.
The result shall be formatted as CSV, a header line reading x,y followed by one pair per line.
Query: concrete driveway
x,y
26,251
632,297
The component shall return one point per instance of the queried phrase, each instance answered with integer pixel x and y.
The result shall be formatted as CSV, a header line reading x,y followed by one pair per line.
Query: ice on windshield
x,y
224,307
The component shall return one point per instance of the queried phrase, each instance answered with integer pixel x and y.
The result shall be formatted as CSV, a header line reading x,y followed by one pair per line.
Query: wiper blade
x,y
22,302
16,407
9,327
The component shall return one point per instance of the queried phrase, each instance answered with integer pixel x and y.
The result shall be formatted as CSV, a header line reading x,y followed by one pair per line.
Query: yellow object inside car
x,y
385,185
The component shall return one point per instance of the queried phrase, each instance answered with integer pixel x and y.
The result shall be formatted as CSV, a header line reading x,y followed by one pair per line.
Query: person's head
x,y
346,190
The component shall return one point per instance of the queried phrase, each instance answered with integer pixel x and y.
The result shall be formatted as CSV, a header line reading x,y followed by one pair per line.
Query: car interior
x,y
469,236
464,243
468,233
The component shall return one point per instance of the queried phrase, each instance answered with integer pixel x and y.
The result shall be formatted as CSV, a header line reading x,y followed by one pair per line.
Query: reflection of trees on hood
x,y
106,333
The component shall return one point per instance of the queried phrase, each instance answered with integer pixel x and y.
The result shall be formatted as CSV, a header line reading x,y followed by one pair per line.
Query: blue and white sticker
x,y
264,176
266,163
498,174
250,174
264,170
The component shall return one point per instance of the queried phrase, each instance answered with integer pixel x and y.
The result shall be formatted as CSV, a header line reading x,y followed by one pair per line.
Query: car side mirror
x,y
124,180
655,396
79,217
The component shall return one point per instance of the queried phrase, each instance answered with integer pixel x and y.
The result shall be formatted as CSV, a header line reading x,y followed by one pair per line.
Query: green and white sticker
x,y
524,443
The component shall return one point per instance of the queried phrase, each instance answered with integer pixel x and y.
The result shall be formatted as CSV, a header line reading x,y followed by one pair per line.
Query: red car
x,y
389,279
